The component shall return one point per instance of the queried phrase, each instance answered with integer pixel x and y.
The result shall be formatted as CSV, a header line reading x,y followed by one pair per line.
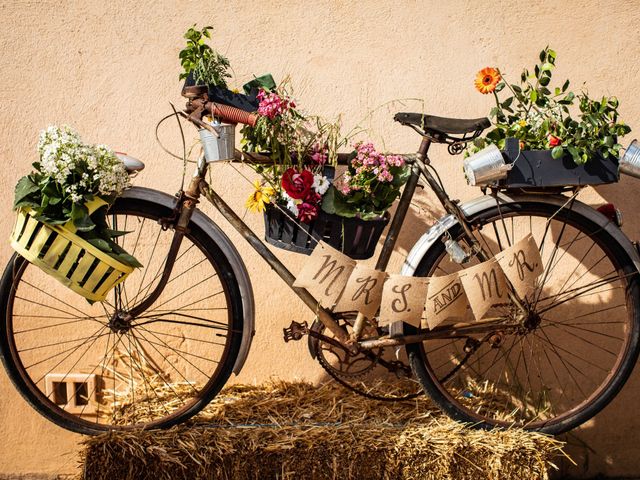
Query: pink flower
x,y
385,176
272,105
307,212
320,154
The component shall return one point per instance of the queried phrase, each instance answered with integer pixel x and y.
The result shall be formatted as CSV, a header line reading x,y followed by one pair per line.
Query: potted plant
x,y
62,208
298,195
202,65
551,136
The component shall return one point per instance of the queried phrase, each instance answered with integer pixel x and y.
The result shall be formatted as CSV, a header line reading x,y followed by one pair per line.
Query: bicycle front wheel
x,y
91,368
574,350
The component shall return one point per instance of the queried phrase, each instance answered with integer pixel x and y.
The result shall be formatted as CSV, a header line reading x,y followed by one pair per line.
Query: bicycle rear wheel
x,y
575,349
91,368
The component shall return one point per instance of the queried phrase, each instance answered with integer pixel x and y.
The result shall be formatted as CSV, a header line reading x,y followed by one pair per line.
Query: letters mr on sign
x,y
403,300
325,274
522,265
485,285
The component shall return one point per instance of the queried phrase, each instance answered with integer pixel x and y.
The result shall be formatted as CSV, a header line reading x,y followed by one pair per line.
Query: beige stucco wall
x,y
111,69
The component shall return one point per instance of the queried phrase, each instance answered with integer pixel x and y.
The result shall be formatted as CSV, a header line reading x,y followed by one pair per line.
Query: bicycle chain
x,y
337,377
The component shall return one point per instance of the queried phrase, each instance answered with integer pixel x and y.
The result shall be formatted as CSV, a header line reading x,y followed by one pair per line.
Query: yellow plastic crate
x,y
73,261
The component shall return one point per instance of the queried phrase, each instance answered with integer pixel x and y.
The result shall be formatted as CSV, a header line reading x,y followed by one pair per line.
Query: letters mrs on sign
x,y
336,280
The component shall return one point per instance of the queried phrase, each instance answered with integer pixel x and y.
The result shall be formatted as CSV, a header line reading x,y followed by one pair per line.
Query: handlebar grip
x,y
232,114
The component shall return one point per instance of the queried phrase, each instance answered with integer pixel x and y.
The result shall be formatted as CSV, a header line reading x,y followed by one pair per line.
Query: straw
x,y
287,430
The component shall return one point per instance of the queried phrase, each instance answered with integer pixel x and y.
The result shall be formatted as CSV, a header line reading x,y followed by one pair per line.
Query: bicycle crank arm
x,y
297,330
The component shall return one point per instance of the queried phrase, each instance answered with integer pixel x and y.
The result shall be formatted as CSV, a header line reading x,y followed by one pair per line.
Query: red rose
x,y
297,185
554,141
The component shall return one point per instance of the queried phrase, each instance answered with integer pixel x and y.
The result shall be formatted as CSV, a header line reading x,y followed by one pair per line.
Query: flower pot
x,y
538,169
354,237
71,260
221,147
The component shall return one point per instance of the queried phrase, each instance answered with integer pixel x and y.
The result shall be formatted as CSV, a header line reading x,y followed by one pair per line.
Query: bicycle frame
x,y
418,164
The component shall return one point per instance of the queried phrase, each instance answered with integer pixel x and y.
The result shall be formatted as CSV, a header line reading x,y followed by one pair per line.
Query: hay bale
x,y
285,430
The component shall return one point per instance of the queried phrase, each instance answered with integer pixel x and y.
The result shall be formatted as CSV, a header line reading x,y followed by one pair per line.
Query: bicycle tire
x,y
213,257
451,388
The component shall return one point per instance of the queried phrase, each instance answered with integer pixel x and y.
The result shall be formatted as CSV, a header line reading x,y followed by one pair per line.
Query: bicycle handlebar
x,y
199,105
231,114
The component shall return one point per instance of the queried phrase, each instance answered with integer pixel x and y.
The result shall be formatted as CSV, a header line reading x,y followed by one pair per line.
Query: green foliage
x,y
208,66
541,117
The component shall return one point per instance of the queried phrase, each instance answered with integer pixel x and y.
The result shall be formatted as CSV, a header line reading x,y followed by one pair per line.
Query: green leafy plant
x,y
70,174
208,66
544,117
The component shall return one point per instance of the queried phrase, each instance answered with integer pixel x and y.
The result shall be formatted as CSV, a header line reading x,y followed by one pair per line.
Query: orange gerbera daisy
x,y
487,79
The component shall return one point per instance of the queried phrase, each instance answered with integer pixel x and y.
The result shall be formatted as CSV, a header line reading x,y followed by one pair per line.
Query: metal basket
x,y
71,260
219,148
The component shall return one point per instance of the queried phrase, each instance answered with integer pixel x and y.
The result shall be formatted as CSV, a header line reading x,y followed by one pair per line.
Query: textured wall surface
x,y
111,68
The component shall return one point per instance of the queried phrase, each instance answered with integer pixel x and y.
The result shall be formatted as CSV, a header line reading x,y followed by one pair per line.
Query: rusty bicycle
x,y
165,342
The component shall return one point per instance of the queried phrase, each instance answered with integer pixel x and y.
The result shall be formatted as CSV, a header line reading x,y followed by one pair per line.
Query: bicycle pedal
x,y
295,331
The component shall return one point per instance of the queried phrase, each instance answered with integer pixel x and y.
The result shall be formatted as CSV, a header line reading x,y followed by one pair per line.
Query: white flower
x,y
320,184
292,203
80,169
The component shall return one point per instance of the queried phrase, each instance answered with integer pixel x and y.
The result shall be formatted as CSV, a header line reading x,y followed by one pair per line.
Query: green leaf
x,y
557,152
533,95
81,219
127,259
24,188
99,243
545,67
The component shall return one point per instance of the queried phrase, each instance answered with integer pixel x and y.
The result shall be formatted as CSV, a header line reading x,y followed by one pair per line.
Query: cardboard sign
x,y
522,265
325,274
485,286
363,291
446,298
403,300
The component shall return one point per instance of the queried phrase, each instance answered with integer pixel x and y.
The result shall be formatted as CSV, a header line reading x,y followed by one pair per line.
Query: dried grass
x,y
285,430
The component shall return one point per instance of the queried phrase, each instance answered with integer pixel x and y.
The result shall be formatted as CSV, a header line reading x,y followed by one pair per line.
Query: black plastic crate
x,y
354,237
537,168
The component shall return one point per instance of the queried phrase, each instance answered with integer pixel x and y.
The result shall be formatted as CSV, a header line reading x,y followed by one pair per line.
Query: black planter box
x,y
537,168
247,103
354,237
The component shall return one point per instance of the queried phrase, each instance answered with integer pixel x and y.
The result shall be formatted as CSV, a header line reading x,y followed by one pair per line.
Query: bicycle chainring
x,y
374,374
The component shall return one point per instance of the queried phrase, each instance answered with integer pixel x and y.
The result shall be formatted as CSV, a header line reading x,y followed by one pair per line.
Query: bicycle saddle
x,y
441,125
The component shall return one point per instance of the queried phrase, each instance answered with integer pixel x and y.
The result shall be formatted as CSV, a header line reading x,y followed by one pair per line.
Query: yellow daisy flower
x,y
258,199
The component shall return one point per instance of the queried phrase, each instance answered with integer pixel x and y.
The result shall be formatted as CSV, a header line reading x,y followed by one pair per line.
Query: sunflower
x,y
487,79
261,195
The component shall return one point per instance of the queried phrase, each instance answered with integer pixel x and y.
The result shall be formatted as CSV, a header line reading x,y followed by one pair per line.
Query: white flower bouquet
x,y
70,174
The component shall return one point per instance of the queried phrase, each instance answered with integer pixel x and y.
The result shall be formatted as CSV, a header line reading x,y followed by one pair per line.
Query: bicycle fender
x,y
479,204
239,269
